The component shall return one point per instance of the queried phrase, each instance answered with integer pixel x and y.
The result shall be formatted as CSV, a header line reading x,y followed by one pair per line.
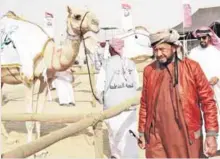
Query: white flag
x,y
49,23
126,17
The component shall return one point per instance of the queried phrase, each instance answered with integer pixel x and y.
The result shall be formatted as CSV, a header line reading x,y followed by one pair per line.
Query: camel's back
x,y
27,39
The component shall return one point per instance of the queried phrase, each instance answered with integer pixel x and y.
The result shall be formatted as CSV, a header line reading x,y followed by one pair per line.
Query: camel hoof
x,y
41,154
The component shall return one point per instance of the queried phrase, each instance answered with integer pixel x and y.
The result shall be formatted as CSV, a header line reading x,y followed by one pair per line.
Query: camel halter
x,y
86,54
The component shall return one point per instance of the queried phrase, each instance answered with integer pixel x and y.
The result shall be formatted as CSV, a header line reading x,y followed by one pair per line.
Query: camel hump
x,y
11,14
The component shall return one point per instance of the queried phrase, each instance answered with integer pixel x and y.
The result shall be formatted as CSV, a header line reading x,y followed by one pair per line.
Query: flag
x,y
48,15
187,19
48,19
49,23
126,19
125,6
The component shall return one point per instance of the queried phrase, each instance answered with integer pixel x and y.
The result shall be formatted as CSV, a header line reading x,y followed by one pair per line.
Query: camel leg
x,y
42,96
10,140
3,130
2,97
29,109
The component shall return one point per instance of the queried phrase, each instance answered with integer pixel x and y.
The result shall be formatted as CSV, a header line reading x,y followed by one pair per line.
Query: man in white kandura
x,y
118,81
64,88
207,54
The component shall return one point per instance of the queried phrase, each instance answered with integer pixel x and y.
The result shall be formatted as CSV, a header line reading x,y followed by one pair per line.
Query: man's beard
x,y
169,60
203,45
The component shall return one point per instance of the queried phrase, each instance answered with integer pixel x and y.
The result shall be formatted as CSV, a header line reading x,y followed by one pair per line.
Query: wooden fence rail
x,y
91,120
55,118
80,122
85,72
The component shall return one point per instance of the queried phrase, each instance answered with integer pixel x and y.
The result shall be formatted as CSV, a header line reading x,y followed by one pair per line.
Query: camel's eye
x,y
77,17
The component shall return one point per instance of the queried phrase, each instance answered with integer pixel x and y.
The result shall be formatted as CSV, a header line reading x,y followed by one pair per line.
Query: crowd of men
x,y
179,114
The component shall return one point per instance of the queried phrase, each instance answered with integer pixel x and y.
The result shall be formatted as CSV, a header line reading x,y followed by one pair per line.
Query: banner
x,y
187,19
126,17
49,23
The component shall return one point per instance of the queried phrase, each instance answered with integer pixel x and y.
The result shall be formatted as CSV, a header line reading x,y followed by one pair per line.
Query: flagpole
x,y
184,41
187,20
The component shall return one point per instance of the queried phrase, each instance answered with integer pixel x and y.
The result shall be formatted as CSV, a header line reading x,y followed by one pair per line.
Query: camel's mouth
x,y
96,31
94,25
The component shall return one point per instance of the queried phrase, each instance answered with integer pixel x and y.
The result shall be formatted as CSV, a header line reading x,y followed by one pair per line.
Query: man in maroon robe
x,y
175,92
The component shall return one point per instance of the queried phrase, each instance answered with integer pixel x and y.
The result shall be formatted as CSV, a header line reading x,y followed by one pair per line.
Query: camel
x,y
50,60
137,46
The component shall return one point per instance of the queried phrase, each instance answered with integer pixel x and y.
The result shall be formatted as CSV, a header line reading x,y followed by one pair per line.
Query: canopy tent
x,y
216,26
202,17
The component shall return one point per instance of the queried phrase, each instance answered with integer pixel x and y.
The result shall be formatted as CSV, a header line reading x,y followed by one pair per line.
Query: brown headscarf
x,y
168,35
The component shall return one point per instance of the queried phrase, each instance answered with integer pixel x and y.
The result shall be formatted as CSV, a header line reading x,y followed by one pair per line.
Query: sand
x,y
80,145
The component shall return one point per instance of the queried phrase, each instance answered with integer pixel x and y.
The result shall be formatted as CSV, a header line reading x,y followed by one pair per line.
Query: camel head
x,y
89,26
78,17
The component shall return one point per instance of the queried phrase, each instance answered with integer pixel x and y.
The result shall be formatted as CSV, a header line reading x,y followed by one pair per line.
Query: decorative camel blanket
x,y
9,56
21,43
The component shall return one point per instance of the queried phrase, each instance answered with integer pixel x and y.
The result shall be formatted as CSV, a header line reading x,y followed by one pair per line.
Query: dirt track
x,y
77,146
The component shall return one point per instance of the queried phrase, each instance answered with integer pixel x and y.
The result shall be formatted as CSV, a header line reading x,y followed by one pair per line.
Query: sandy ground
x,y
80,145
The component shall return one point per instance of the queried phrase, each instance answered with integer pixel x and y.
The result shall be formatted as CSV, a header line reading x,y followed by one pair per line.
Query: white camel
x,y
137,46
50,60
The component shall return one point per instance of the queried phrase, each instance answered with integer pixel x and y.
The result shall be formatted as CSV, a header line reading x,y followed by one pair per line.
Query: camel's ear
x,y
69,10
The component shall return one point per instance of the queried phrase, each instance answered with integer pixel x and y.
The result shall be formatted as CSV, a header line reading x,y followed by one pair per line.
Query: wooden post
x,y
93,85
98,140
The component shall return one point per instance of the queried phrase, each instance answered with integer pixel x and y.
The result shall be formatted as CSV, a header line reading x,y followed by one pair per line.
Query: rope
x,y
87,62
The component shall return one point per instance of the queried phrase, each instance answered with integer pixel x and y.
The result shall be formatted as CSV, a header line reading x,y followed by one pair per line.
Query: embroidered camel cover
x,y
21,42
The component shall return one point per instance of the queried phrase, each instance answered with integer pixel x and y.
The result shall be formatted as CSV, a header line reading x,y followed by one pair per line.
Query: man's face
x,y
204,41
164,52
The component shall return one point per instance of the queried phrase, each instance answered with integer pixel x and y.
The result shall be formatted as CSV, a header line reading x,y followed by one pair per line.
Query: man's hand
x,y
213,81
210,146
141,143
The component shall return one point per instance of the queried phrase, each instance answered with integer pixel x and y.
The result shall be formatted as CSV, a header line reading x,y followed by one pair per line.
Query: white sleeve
x,y
137,81
193,53
100,83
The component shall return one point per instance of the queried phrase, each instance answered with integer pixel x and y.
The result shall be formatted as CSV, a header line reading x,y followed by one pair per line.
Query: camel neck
x,y
64,57
70,51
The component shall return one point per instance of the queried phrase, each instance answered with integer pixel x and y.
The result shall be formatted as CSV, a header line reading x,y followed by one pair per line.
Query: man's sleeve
x,y
208,104
215,61
100,84
135,76
143,105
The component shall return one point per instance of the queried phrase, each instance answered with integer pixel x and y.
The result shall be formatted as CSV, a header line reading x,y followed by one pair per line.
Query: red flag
x,y
125,6
48,15
187,22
